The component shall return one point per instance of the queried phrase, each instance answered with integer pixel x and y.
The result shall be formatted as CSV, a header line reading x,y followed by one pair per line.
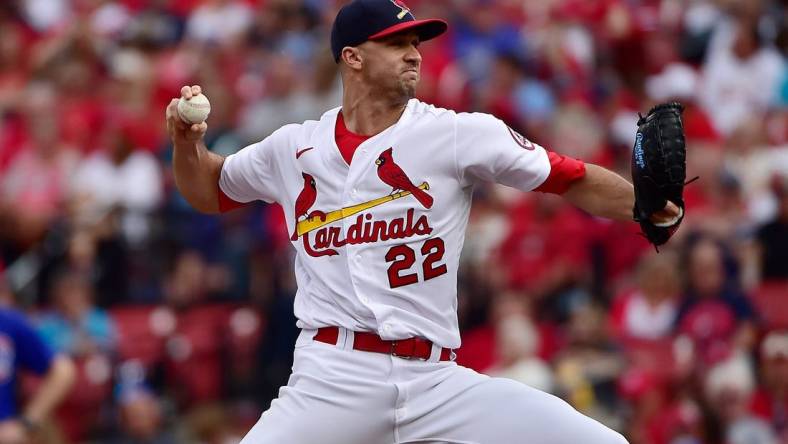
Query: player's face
x,y
393,63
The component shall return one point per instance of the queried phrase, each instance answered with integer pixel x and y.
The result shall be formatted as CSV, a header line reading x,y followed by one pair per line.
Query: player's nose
x,y
413,56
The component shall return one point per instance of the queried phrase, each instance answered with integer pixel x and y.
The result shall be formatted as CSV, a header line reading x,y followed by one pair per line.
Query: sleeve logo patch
x,y
520,139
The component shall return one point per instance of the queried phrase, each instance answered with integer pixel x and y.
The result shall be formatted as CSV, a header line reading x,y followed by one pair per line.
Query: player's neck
x,y
368,115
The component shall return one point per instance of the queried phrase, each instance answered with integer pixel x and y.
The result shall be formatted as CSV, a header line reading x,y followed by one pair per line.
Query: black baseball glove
x,y
659,169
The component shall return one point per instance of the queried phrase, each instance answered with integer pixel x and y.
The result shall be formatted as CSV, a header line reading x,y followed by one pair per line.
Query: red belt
x,y
410,348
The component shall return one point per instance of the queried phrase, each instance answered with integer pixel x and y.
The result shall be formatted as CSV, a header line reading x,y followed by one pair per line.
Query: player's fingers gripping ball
x,y
659,169
194,110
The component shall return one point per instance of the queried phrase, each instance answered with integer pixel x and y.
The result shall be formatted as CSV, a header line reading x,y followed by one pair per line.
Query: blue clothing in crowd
x,y
66,336
20,347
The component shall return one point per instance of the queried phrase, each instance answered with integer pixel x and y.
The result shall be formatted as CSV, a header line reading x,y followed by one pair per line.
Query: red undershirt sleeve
x,y
226,203
563,172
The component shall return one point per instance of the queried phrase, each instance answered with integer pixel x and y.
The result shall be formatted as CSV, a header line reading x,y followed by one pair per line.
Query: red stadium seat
x,y
245,325
80,411
142,331
194,362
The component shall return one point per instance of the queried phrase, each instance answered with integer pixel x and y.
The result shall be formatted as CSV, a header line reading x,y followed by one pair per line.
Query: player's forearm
x,y
603,193
197,173
55,386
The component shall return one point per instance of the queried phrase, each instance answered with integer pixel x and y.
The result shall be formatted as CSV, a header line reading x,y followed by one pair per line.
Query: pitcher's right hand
x,y
180,131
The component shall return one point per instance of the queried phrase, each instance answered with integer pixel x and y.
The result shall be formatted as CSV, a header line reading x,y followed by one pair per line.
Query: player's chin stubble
x,y
408,87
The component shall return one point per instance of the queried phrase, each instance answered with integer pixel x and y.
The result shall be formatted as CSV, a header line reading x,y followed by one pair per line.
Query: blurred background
x,y
181,324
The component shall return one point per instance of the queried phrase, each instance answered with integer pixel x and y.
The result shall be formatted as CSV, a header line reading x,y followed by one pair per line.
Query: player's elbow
x,y
203,199
198,181
204,205
206,210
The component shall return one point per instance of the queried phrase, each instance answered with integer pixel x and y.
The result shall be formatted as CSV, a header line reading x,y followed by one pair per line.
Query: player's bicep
x,y
490,151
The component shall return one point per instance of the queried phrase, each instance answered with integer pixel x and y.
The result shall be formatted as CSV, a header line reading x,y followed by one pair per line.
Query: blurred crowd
x,y
181,324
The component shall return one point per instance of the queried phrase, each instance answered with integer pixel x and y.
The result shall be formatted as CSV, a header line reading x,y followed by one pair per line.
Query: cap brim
x,y
427,29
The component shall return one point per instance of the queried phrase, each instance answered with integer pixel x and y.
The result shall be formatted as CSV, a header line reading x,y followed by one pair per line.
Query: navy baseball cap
x,y
362,20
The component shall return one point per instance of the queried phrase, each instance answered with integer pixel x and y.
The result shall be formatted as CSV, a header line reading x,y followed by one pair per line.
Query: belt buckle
x,y
394,351
394,345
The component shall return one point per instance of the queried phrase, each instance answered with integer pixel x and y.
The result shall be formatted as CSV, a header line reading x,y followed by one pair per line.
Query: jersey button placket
x,y
354,256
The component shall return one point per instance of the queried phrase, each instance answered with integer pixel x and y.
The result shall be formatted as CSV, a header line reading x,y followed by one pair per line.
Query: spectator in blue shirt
x,y
74,325
22,348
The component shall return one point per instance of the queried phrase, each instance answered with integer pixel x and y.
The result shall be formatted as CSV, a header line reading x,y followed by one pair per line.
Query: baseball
x,y
194,110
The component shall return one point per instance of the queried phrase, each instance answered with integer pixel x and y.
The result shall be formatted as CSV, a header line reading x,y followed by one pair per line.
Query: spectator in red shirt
x,y
547,247
715,315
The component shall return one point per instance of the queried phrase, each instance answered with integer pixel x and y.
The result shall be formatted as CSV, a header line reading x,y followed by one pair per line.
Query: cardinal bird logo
x,y
391,174
306,198
404,10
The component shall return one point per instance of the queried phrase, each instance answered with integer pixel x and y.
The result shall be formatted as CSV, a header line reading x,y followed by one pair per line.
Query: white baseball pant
x,y
337,395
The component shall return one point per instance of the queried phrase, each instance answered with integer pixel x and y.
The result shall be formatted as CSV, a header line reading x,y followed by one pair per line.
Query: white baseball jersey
x,y
378,241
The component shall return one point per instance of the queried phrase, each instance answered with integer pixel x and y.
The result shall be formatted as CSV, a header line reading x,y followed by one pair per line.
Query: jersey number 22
x,y
402,258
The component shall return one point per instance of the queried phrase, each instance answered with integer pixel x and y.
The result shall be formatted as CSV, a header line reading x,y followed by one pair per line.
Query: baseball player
x,y
377,195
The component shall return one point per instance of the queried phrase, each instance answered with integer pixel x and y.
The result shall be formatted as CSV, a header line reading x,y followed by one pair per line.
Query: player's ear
x,y
352,57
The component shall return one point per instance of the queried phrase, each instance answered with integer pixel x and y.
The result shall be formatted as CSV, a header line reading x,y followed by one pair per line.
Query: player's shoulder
x,y
13,320
475,122
294,129
307,128
11,315
477,119
478,124
431,117
293,134
422,109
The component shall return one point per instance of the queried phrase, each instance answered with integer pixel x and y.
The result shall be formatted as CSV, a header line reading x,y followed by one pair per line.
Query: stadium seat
x,y
80,412
196,343
142,331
